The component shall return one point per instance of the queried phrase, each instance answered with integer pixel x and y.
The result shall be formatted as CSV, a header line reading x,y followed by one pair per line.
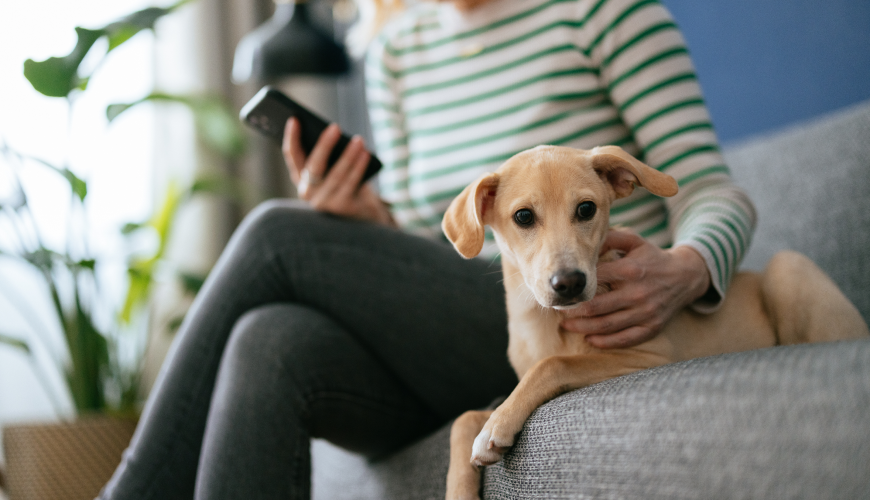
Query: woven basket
x,y
64,461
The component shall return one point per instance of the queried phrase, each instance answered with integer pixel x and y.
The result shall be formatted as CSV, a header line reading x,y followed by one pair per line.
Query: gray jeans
x,y
315,326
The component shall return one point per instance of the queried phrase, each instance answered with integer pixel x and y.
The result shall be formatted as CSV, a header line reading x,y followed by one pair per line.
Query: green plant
x,y
94,363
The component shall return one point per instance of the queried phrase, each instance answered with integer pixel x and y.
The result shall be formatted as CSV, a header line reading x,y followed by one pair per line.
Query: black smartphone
x,y
268,112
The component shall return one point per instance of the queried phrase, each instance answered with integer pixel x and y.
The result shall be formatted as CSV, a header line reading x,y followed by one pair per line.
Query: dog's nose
x,y
568,284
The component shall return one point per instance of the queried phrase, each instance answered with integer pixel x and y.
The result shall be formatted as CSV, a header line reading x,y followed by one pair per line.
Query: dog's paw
x,y
490,445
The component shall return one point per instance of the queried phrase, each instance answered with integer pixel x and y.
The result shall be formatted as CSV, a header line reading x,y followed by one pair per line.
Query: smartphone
x,y
268,112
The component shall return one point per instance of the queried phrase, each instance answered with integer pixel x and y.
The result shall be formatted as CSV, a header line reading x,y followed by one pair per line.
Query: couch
x,y
784,422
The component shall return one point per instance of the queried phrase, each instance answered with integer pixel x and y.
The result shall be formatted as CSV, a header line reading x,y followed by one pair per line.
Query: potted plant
x,y
74,459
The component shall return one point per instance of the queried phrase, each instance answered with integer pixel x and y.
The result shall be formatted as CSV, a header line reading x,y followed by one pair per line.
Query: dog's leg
x,y
549,378
805,305
463,478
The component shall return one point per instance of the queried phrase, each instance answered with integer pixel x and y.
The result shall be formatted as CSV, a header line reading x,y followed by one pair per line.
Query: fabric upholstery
x,y
786,422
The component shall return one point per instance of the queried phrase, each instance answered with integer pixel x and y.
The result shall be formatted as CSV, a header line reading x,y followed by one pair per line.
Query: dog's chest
x,y
535,335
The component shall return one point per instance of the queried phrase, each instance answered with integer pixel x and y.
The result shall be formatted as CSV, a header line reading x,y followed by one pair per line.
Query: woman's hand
x,y
649,285
338,191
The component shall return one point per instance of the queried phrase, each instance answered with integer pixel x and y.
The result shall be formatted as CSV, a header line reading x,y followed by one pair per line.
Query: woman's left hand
x,y
649,285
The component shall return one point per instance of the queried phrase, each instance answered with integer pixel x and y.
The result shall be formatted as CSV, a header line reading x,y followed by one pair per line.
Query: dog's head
x,y
549,208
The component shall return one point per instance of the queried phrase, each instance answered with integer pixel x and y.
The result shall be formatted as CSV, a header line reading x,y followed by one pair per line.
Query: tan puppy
x,y
549,209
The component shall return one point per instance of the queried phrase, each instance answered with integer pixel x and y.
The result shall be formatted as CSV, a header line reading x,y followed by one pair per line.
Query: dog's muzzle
x,y
568,285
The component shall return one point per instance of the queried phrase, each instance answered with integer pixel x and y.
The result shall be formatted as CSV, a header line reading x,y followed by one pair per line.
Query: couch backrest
x,y
811,186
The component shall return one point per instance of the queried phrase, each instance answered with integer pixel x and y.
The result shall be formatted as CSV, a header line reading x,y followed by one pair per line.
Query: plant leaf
x,y
14,342
121,34
42,259
217,185
58,76
113,110
192,283
131,227
83,83
90,264
128,26
174,324
89,353
79,187
140,270
163,218
138,289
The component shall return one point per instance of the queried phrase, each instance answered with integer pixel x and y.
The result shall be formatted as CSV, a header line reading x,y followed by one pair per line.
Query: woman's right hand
x,y
339,191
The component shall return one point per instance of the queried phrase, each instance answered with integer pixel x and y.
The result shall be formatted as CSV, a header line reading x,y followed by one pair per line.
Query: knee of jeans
x,y
276,215
272,338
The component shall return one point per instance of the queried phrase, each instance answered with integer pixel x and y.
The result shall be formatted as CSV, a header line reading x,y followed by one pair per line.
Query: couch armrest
x,y
783,422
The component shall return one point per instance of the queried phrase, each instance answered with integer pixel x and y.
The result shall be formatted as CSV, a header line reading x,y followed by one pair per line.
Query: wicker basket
x,y
64,461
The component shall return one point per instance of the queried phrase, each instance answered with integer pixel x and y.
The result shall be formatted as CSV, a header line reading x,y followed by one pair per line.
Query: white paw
x,y
489,447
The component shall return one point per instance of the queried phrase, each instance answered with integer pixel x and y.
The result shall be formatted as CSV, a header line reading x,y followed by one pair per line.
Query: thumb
x,y
621,240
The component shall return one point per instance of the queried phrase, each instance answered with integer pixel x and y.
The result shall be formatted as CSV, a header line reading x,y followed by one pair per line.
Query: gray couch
x,y
785,422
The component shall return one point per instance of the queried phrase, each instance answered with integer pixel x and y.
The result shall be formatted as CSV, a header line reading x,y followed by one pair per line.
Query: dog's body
x,y
549,265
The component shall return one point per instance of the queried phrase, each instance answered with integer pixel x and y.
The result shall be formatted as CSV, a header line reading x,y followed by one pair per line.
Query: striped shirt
x,y
453,95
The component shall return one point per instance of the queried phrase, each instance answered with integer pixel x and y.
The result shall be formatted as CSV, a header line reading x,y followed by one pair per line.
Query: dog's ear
x,y
623,171
463,223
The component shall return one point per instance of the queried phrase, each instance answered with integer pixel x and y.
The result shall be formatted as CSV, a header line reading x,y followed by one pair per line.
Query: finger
x,y
348,158
319,157
291,146
619,272
605,303
333,186
303,188
356,171
605,324
629,337
622,240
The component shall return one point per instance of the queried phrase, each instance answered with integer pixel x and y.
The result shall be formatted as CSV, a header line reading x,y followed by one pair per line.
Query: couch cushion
x,y
811,186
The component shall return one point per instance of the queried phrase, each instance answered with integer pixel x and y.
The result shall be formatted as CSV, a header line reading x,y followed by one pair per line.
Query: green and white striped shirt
x,y
453,95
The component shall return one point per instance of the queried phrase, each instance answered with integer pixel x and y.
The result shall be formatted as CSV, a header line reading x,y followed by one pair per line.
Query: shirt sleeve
x,y
646,69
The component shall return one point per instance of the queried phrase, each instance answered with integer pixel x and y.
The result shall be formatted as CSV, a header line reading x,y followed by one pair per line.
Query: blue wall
x,y
763,64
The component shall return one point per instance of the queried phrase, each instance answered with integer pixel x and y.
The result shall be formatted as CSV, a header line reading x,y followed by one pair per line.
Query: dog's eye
x,y
524,217
586,210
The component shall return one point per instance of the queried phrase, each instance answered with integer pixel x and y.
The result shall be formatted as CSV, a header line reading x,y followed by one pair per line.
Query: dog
x,y
549,210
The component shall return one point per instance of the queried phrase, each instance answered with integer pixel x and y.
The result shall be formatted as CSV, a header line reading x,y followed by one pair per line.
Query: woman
x,y
349,329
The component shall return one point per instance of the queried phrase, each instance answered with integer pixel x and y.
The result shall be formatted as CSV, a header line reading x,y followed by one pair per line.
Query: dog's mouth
x,y
551,301
567,306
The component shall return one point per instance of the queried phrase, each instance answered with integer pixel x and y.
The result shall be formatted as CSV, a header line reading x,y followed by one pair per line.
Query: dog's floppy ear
x,y
463,223
623,171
